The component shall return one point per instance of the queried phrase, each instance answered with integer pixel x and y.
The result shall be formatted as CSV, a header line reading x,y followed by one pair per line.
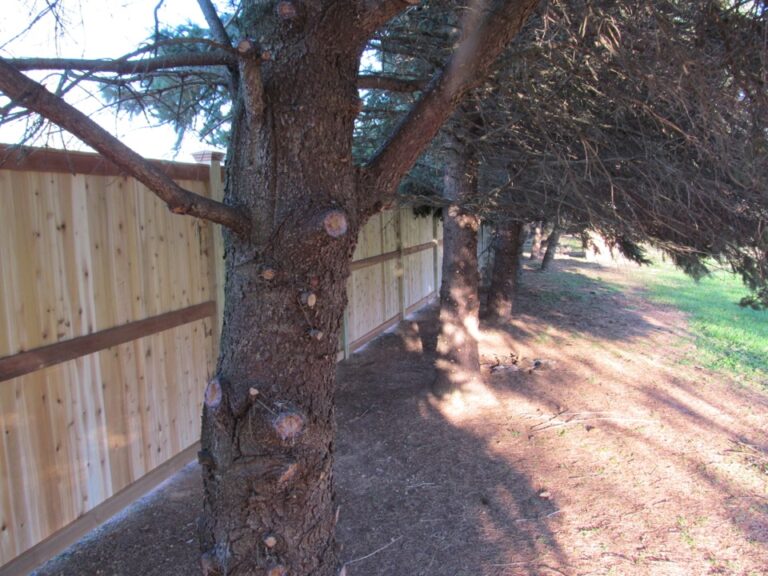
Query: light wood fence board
x,y
390,273
393,269
369,239
389,230
82,266
366,288
419,266
417,230
419,276
101,513
83,430
439,256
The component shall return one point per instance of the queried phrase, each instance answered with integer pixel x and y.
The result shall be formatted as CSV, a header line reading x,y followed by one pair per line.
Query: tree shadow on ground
x,y
569,304
703,434
420,495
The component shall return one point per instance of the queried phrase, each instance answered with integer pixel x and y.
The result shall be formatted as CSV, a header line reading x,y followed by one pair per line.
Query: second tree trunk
x,y
552,242
458,360
508,249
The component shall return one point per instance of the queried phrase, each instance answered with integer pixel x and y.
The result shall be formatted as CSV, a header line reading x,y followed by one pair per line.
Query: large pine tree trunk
x,y
458,361
507,265
552,242
268,421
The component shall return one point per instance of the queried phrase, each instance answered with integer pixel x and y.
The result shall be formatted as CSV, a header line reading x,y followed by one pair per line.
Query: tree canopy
x,y
644,122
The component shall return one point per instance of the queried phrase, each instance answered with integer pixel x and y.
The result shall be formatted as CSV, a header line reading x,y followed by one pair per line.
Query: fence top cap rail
x,y
207,156
34,159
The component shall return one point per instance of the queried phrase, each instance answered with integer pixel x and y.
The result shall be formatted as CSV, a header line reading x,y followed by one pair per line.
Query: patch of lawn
x,y
728,337
575,286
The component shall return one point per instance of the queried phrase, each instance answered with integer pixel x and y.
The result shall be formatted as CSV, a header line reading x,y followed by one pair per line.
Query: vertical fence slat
x,y
436,260
401,264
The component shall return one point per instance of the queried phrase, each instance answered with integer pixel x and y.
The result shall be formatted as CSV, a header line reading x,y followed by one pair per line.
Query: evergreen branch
x,y
33,96
390,83
483,41
126,66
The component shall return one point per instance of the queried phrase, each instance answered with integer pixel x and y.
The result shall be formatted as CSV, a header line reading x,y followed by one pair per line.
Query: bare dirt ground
x,y
597,446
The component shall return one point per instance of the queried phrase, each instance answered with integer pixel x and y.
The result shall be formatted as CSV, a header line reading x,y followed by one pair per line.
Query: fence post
x,y
400,263
436,254
216,188
345,332
217,191
382,243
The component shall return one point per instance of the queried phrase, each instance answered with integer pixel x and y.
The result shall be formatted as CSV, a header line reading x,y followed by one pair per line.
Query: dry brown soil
x,y
602,449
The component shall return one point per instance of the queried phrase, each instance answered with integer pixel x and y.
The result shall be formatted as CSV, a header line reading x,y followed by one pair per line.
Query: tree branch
x,y
390,83
220,34
33,96
188,60
483,42
119,66
214,22
376,13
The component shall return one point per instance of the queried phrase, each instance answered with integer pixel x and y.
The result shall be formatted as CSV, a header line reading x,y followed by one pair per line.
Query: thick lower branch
x,y
33,96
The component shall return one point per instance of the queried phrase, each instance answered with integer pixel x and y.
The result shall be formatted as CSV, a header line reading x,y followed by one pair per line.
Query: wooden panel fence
x,y
395,270
107,316
108,333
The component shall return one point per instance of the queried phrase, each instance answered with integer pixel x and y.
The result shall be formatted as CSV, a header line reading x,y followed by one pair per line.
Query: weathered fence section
x,y
108,331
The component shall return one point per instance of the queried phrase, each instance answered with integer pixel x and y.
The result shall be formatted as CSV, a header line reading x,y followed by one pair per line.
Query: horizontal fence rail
x,y
34,360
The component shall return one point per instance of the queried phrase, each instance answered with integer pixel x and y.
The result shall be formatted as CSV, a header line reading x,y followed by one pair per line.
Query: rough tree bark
x,y
268,423
552,242
458,359
538,232
507,268
294,204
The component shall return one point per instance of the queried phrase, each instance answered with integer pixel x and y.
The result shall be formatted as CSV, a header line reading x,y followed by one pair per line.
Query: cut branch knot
x,y
249,63
289,425
287,10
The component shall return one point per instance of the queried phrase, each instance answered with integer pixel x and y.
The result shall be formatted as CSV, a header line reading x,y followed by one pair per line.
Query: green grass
x,y
575,287
728,337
